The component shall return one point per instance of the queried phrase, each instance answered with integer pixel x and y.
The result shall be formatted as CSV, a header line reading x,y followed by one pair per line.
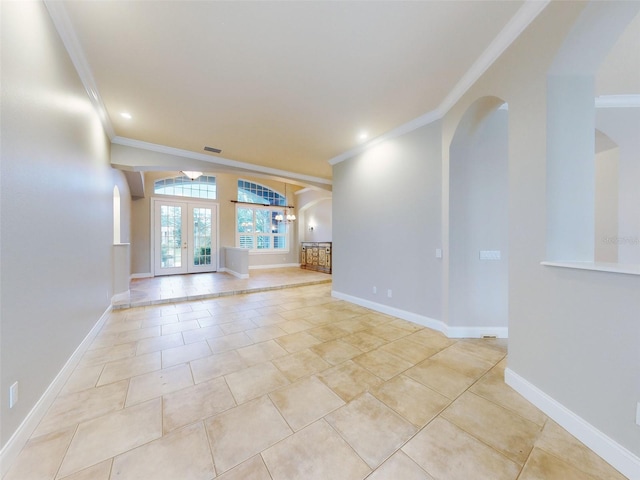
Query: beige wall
x,y
227,190
56,210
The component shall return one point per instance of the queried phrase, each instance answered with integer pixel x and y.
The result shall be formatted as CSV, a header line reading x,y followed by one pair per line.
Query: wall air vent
x,y
213,150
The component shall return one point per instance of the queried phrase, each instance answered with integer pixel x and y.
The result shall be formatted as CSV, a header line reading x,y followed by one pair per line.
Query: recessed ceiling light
x,y
363,136
126,115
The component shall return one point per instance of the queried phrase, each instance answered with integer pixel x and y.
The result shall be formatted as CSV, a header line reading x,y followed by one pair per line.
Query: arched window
x,y
255,193
202,187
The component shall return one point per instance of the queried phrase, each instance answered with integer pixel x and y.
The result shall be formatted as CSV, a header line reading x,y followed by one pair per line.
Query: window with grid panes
x,y
257,228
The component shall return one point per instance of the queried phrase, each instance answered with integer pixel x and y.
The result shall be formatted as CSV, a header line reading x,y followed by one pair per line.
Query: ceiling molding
x,y
618,101
61,21
512,30
154,147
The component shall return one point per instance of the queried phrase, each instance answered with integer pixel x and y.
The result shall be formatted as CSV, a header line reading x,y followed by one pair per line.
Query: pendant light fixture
x,y
287,216
191,174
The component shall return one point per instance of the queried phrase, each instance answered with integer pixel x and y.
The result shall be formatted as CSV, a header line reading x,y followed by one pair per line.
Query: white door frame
x,y
188,201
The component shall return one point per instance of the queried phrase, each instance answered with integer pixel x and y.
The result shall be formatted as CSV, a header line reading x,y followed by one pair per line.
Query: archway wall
x,y
478,234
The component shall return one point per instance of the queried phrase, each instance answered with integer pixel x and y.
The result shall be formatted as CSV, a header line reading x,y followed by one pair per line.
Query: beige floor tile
x,y
544,466
162,320
202,334
480,348
399,467
268,319
388,332
69,410
130,367
431,339
158,383
445,451
449,383
411,399
409,350
100,471
261,352
349,380
255,381
41,457
252,469
405,325
135,335
382,364
196,403
493,388
361,422
294,326
244,431
107,436
229,342
100,356
364,341
336,351
215,366
300,364
237,326
262,334
297,341
184,454
185,353
508,433
157,344
179,327
82,378
556,440
305,401
465,363
328,332
194,315
314,453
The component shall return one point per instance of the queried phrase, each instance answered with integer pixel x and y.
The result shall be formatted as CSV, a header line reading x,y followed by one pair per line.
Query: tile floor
x,y
293,384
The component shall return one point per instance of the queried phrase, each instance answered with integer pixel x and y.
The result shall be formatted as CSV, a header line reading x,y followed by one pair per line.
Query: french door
x,y
184,237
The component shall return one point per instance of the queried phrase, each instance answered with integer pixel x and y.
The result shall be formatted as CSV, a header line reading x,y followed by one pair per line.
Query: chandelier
x,y
287,216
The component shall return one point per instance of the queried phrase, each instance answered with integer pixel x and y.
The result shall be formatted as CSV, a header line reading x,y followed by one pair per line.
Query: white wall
x,y
386,224
56,210
606,206
315,208
478,193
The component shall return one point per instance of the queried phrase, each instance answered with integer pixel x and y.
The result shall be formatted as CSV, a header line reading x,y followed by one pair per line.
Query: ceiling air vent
x,y
213,150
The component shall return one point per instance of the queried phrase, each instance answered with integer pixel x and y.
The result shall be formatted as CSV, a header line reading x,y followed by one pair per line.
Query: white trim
x,y
618,101
154,147
627,269
439,325
19,439
141,275
511,31
61,21
396,312
234,273
477,332
278,265
615,454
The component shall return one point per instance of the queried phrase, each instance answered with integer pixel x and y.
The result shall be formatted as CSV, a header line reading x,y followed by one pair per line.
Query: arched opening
x,y
478,226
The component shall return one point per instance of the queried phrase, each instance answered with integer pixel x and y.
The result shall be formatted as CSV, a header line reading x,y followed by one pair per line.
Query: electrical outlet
x,y
438,253
375,290
389,293
638,413
13,394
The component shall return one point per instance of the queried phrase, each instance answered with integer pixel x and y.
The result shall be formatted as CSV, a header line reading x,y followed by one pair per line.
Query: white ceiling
x,y
286,85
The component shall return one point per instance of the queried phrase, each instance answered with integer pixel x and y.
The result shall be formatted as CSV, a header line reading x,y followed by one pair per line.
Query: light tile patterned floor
x,y
293,384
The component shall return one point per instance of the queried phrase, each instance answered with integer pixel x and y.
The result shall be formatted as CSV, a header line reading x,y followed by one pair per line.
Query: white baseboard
x,y
615,454
18,440
141,275
278,265
439,325
396,312
234,273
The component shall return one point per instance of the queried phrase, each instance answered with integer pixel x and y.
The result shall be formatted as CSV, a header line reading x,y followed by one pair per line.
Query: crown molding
x,y
63,25
512,30
618,101
154,147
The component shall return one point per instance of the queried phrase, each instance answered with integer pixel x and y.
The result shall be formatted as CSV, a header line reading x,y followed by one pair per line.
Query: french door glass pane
x,y
171,232
201,236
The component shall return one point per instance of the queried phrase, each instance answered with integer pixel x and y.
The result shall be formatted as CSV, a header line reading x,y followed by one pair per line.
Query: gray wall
x,y
386,223
56,210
